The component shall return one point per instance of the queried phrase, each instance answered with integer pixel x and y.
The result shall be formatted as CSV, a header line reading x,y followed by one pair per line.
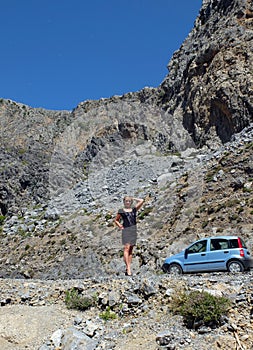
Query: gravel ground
x,y
26,327
33,310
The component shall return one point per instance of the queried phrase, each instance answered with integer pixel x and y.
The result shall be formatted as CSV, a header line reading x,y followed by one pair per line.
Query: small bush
x,y
108,217
2,218
204,224
144,213
199,308
108,314
75,300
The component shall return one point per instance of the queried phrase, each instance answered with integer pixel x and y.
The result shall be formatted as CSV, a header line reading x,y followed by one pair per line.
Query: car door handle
x,y
203,254
226,251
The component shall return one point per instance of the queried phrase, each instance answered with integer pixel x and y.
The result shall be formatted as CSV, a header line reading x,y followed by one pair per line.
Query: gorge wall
x,y
209,85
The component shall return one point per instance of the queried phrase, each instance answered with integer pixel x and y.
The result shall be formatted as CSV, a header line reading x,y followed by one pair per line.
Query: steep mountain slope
x,y
63,174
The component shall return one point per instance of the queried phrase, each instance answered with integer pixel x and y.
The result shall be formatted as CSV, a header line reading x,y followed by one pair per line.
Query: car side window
x,y
198,247
218,244
234,243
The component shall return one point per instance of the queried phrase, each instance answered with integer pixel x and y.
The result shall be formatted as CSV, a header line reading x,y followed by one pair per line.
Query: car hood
x,y
175,256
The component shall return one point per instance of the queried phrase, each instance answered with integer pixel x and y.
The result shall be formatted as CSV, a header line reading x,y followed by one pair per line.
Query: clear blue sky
x,y
58,53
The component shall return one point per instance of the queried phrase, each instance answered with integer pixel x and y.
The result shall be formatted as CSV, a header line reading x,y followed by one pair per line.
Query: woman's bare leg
x,y
128,254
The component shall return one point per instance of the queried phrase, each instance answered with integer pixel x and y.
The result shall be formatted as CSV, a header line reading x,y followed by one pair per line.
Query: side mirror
x,y
186,253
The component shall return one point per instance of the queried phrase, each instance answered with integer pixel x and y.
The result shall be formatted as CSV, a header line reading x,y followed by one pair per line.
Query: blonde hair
x,y
128,198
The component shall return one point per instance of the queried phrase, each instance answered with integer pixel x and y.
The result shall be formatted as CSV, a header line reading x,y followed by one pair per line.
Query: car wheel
x,y
165,268
175,269
235,266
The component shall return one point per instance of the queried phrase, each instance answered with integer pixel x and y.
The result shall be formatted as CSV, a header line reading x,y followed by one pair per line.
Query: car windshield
x,y
197,247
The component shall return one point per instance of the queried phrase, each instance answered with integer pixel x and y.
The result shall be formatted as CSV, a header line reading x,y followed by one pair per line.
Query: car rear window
x,y
243,243
234,243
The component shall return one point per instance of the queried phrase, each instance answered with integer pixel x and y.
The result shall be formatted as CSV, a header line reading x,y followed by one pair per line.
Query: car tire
x,y
235,266
165,268
175,269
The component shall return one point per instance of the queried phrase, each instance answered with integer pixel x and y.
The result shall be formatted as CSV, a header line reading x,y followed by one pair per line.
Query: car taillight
x,y
239,243
240,246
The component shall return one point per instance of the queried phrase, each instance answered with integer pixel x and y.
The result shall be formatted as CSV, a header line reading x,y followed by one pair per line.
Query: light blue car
x,y
224,253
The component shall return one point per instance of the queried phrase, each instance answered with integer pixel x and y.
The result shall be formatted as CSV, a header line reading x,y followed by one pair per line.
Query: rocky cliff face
x,y
27,142
209,85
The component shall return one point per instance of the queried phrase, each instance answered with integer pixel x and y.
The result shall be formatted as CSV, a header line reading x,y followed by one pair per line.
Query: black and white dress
x,y
129,233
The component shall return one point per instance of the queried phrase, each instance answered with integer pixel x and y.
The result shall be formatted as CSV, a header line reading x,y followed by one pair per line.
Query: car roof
x,y
219,237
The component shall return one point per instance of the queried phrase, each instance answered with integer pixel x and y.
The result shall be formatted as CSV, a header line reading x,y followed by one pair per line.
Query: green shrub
x,y
249,145
2,218
144,213
199,308
108,217
108,314
75,300
204,224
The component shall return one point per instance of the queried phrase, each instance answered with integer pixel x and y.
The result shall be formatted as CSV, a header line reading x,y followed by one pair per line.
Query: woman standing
x,y
128,227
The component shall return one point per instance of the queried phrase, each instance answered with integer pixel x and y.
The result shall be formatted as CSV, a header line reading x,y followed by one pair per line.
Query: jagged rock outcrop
x,y
210,81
